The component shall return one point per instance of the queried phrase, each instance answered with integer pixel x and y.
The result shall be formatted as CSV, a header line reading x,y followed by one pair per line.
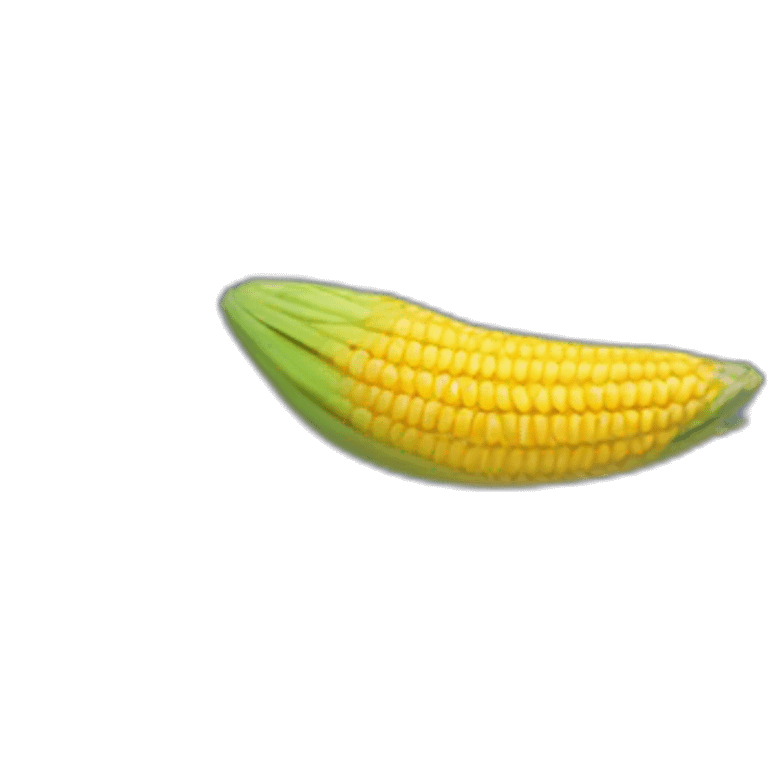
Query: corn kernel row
x,y
489,395
514,461
483,428
428,328
384,351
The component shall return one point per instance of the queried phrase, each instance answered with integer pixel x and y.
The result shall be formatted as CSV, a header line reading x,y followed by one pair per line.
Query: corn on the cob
x,y
428,395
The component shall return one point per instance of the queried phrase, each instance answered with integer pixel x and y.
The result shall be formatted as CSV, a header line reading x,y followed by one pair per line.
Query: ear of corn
x,y
427,395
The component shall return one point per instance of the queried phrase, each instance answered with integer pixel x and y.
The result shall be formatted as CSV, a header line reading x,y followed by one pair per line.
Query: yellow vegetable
x,y
427,395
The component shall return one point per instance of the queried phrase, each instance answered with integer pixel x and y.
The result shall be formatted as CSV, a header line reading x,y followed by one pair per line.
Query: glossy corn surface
x,y
420,392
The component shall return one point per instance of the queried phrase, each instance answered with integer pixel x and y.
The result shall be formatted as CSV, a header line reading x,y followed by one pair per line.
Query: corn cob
x,y
428,395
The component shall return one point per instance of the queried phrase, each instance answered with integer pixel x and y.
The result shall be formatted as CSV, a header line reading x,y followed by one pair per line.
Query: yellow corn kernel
x,y
359,393
603,423
429,357
384,401
469,390
396,432
531,462
567,372
557,351
691,410
620,450
456,454
477,430
660,392
389,376
446,418
434,333
487,396
618,372
603,454
380,427
541,429
493,429
631,423
525,430
442,449
415,408
473,364
577,455
514,462
559,428
509,428
560,398
503,401
584,371
409,439
452,395
551,371
574,429
547,461
588,427
595,397
358,362
402,327
458,362
628,391
562,455
407,380
588,456
462,423
426,445
599,373
611,397
577,400
541,401
485,459
441,384
413,354
424,383
400,407
644,393
520,399
488,367
685,391
430,414
418,330
498,456
472,458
